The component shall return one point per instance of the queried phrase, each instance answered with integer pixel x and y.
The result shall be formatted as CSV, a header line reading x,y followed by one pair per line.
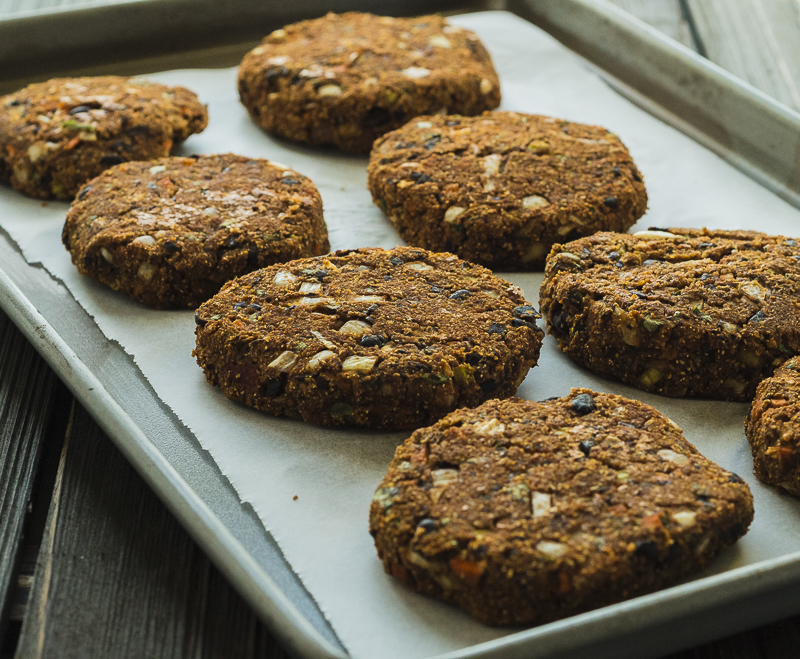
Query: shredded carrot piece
x,y
468,571
652,522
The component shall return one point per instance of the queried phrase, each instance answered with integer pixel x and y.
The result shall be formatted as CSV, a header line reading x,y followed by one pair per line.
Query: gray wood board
x,y
26,391
118,576
665,15
756,40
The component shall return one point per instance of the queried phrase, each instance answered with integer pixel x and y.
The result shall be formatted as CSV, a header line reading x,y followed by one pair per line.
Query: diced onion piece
x,y
534,201
328,344
146,271
452,213
489,427
444,476
144,240
330,90
311,301
552,550
355,327
671,456
653,234
491,164
35,152
283,278
569,255
755,291
310,287
416,72
418,560
684,518
284,361
419,266
541,502
440,40
320,357
359,364
369,298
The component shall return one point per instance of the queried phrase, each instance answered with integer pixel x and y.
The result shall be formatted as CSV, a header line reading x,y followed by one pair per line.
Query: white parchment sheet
x,y
333,474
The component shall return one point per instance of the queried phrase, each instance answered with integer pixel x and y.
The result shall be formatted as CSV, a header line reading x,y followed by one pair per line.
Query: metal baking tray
x,y
750,130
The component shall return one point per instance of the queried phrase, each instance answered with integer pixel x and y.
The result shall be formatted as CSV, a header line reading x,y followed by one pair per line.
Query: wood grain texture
x,y
664,15
118,577
779,640
757,40
26,392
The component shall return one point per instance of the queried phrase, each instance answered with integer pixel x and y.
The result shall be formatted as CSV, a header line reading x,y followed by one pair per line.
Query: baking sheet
x,y
334,473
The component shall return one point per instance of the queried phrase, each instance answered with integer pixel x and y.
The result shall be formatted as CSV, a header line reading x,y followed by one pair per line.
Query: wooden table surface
x,y
93,565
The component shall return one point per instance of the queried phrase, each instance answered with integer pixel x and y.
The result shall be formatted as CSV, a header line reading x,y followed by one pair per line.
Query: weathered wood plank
x,y
778,640
757,40
117,576
26,392
664,15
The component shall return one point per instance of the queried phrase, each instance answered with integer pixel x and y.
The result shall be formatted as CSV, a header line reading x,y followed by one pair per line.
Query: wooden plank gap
x,y
697,40
27,387
777,53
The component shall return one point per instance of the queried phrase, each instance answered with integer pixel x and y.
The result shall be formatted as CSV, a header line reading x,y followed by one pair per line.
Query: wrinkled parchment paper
x,y
333,473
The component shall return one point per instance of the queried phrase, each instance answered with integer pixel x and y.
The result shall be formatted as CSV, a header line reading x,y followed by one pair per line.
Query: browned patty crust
x,y
502,188
522,513
169,232
681,312
346,79
773,428
56,135
368,337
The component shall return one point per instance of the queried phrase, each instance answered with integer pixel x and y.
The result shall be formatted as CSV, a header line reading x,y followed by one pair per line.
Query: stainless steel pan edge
x,y
46,43
663,622
283,618
743,125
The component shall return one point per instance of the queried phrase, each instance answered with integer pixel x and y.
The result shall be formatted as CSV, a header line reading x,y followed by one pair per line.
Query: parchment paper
x,y
334,473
